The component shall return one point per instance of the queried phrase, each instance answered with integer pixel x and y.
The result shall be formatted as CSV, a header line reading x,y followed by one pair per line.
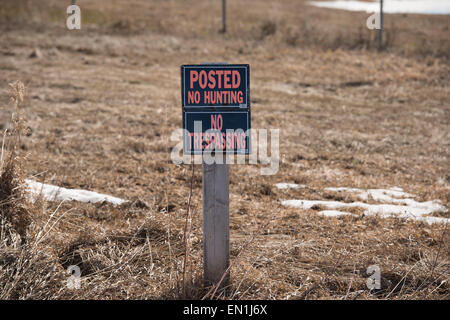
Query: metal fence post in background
x,y
224,16
380,31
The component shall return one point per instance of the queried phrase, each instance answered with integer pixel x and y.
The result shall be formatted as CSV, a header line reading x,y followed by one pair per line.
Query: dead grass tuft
x,y
14,204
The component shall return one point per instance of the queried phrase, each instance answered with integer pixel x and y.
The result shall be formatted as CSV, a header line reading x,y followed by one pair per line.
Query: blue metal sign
x,y
216,108
215,85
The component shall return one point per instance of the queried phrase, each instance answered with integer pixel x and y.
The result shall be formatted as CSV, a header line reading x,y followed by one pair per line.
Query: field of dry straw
x,y
97,108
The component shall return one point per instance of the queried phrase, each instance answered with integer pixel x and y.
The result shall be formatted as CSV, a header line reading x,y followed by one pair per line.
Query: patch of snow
x,y
392,195
55,193
395,207
283,185
334,213
389,6
385,195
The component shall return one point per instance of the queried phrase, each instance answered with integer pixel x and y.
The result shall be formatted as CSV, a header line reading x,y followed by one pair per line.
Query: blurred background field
x,y
285,22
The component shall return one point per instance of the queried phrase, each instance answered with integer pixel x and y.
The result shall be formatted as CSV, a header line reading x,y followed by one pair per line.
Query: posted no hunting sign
x,y
216,108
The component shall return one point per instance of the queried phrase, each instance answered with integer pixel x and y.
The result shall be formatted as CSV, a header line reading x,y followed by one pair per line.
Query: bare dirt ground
x,y
101,104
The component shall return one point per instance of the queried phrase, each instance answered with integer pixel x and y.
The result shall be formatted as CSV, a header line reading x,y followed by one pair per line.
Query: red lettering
x,y
226,79
216,122
219,122
219,75
236,79
191,97
211,79
240,97
203,79
197,97
219,98
233,97
213,122
194,77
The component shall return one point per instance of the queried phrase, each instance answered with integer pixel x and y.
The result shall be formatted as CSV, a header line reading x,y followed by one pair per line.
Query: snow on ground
x,y
393,204
389,6
376,194
283,185
333,213
55,193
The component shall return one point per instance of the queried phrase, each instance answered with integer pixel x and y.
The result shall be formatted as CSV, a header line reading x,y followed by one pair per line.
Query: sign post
x,y
216,121
216,222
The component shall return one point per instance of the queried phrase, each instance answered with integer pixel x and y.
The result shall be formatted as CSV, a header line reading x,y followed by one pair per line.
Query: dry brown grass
x,y
102,104
283,22
26,269
14,207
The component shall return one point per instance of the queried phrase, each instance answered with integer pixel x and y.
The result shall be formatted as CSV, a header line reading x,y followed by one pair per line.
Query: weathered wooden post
x,y
216,222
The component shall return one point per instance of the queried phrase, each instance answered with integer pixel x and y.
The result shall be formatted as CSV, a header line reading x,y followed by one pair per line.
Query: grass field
x,y
101,104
